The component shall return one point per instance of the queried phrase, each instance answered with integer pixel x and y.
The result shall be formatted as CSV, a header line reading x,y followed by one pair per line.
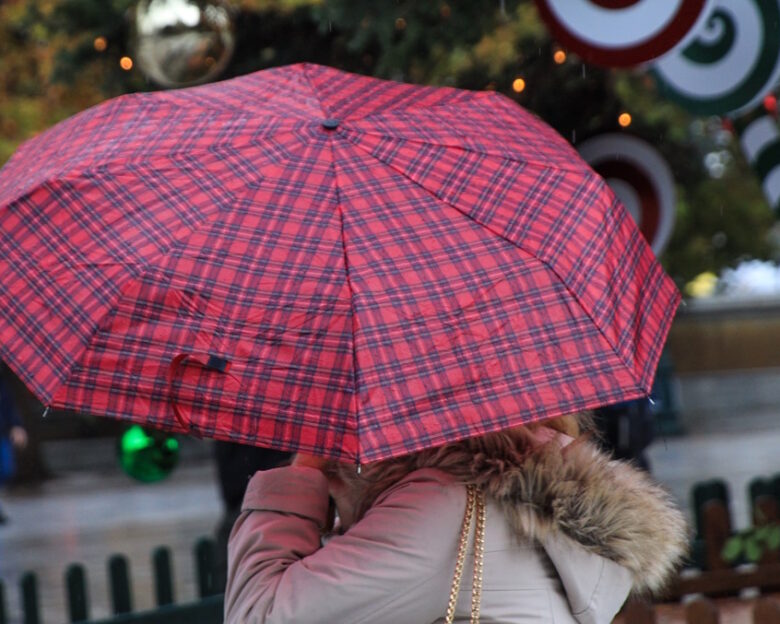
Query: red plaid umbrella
x,y
308,259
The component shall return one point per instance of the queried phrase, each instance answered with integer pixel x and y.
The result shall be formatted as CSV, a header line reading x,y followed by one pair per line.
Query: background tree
x,y
60,56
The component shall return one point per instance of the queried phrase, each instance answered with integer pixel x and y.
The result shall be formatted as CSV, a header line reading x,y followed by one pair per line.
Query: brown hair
x,y
468,460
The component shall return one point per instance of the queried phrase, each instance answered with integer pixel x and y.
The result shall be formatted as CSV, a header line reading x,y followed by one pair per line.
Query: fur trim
x,y
610,507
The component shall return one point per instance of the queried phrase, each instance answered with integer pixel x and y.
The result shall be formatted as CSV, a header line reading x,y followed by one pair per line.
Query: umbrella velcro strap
x,y
208,361
218,364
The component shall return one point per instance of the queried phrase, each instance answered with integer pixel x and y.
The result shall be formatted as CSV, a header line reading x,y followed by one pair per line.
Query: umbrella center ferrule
x,y
330,124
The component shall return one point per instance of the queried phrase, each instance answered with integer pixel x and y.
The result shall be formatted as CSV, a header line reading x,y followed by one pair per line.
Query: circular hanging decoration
x,y
147,455
759,138
179,43
640,178
732,62
621,33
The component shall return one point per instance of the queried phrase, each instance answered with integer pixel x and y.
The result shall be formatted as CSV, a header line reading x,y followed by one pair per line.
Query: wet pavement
x,y
85,516
735,457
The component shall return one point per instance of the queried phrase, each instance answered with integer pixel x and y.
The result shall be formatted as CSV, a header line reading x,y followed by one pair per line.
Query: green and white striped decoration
x,y
732,62
759,137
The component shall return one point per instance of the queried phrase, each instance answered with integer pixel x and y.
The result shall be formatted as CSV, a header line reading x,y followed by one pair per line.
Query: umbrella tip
x,y
330,124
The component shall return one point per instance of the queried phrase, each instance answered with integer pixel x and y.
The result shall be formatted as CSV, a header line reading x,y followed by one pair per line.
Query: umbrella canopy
x,y
308,259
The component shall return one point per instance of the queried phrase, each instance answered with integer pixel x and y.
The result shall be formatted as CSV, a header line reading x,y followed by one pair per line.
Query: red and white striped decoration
x,y
621,33
760,142
641,179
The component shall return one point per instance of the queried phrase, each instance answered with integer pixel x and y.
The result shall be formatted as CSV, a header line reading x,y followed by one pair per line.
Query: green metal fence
x,y
206,610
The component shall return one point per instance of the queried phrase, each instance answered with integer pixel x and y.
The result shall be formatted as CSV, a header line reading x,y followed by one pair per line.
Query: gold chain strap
x,y
475,501
479,552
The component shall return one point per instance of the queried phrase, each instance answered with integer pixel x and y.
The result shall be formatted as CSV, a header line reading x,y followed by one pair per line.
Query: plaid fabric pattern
x,y
436,264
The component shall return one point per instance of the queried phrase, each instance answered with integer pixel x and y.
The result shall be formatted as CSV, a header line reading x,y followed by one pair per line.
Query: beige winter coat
x,y
568,535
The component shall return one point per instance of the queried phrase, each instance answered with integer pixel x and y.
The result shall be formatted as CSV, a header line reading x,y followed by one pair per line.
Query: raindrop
x,y
574,136
717,171
715,163
330,26
503,8
714,124
723,137
583,70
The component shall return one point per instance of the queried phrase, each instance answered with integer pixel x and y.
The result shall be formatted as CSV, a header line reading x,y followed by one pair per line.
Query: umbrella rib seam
x,y
626,364
352,309
346,270
457,108
464,148
77,173
141,270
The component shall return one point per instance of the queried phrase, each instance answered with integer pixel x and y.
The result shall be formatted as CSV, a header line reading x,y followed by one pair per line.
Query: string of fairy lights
x,y
519,84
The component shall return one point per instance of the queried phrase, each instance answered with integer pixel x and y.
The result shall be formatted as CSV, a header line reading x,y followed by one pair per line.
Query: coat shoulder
x,y
609,507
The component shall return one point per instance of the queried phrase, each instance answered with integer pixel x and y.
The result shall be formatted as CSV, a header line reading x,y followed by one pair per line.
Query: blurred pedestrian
x,y
563,534
626,430
12,436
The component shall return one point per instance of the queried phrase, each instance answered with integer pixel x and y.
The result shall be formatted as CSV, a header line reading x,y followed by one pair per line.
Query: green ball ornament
x,y
147,455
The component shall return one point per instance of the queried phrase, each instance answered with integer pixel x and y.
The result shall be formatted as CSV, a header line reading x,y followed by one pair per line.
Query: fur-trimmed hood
x,y
609,507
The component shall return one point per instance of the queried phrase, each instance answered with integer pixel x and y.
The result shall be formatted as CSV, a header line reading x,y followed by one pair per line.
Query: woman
x,y
567,535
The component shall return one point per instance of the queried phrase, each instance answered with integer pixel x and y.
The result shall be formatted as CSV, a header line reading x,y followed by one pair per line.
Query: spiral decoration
x,y
714,57
640,178
621,33
731,63
760,140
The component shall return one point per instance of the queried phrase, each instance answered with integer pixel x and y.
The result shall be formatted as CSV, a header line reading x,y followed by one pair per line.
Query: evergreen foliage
x,y
50,69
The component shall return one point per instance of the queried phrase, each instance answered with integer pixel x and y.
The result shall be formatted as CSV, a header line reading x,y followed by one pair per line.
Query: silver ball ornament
x,y
179,43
